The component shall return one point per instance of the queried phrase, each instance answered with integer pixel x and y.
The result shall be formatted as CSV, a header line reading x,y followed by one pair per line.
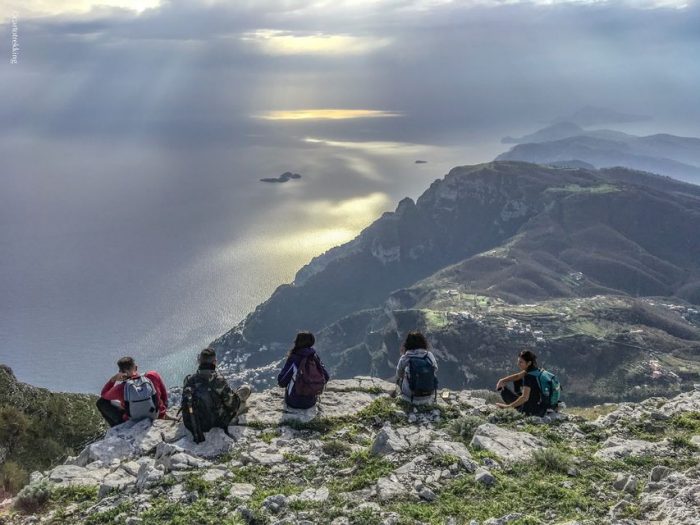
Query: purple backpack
x,y
310,379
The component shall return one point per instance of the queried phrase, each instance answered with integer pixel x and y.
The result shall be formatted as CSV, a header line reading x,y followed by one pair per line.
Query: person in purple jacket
x,y
303,348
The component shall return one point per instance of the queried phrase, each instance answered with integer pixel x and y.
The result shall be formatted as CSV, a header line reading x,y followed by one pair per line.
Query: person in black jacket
x,y
303,349
526,394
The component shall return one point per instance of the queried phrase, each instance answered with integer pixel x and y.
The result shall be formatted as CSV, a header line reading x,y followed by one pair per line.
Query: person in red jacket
x,y
111,403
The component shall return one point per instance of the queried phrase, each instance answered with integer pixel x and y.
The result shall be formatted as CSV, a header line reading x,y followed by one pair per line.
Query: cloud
x,y
325,114
276,42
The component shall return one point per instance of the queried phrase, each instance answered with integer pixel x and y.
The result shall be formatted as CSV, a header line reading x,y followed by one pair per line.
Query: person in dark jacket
x,y
526,394
303,347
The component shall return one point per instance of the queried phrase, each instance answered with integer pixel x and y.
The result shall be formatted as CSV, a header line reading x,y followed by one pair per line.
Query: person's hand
x,y
502,405
119,376
499,384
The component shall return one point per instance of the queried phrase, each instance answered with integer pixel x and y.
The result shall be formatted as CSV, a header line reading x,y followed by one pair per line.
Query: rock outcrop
x,y
367,458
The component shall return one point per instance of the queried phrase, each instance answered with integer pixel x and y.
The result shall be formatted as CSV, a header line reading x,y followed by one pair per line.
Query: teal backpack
x,y
550,387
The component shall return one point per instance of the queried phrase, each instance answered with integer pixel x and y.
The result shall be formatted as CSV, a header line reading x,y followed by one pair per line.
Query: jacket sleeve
x,y
108,386
162,392
433,360
115,393
401,368
285,376
225,393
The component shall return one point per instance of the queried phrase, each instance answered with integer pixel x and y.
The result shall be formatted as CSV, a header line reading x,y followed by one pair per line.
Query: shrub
x,y
33,497
552,460
464,427
336,448
12,477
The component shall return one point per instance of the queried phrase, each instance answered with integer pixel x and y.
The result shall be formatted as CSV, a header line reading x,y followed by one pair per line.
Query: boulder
x,y
242,491
388,441
441,447
618,448
312,495
68,475
216,444
342,398
485,477
508,445
388,489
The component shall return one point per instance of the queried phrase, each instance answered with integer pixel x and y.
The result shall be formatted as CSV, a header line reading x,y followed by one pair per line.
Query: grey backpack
x,y
140,398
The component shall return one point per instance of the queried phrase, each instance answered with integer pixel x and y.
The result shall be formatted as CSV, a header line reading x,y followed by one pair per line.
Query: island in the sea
x,y
287,175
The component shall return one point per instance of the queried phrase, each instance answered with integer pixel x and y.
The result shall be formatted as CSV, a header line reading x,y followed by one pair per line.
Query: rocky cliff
x,y
597,270
364,458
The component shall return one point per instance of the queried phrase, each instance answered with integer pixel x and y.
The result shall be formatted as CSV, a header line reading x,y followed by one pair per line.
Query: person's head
x,y
303,340
207,357
127,366
415,341
527,360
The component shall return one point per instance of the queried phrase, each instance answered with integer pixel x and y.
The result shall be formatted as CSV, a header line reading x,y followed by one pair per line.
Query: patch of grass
x,y
524,489
291,457
195,483
443,460
269,434
369,469
681,441
249,474
592,413
463,428
365,517
73,494
689,421
336,448
115,516
552,460
318,424
200,512
506,415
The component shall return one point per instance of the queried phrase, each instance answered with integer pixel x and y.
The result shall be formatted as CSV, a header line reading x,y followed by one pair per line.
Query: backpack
x,y
202,408
310,379
140,398
421,376
550,388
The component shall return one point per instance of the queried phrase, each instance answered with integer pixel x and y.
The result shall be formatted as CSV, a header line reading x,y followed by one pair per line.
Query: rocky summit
x,y
362,457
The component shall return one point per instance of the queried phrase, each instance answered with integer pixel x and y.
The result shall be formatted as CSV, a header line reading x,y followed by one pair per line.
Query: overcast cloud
x,y
134,134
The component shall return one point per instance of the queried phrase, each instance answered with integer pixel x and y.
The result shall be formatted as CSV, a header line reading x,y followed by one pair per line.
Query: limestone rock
x,y
618,448
242,491
484,476
509,445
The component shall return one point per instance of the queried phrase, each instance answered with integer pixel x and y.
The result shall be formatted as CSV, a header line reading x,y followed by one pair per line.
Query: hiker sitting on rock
x,y
416,372
526,395
130,395
207,399
303,375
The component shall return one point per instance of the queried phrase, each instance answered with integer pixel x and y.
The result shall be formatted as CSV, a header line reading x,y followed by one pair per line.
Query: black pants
x,y
112,414
509,395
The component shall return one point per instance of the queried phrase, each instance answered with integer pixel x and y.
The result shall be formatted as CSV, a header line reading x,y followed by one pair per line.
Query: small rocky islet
x,y
362,457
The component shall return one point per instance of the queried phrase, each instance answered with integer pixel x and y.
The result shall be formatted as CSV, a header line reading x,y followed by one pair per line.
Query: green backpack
x,y
550,387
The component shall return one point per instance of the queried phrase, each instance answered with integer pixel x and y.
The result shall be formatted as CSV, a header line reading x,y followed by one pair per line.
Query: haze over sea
x,y
133,138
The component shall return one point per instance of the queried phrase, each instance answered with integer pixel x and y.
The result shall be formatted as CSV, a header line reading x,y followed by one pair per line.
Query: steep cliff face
x,y
365,458
462,261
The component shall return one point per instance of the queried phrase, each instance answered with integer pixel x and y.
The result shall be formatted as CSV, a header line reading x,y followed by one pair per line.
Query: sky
x,y
133,134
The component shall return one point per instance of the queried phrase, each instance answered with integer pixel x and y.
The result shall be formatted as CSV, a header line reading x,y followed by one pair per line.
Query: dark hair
x,y
126,363
207,356
415,341
529,357
303,340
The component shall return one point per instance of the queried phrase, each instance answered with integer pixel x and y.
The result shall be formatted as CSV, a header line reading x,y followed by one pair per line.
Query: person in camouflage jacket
x,y
207,399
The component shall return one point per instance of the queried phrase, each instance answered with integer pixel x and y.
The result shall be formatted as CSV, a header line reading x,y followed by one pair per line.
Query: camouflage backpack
x,y
202,407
